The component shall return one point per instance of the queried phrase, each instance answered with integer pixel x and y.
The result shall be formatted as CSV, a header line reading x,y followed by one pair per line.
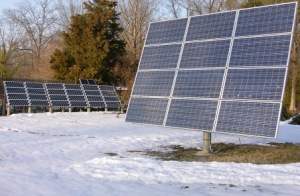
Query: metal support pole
x,y
29,109
50,109
81,110
62,109
88,109
8,110
206,142
70,110
106,109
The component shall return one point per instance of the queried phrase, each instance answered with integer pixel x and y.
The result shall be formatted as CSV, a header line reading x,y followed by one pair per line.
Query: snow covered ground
x,y
67,154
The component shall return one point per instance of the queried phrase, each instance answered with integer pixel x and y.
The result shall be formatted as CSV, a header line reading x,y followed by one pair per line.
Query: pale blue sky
x,y
8,4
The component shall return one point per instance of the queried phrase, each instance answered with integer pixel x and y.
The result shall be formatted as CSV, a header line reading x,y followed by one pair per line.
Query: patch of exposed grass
x,y
274,153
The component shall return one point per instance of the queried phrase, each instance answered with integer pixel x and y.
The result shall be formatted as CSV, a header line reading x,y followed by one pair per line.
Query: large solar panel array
x,y
222,72
61,95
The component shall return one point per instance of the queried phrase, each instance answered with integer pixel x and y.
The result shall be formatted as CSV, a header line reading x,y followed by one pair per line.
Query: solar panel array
x,y
61,95
222,72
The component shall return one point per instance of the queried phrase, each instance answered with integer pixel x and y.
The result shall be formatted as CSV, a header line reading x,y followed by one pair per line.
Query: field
x,y
99,154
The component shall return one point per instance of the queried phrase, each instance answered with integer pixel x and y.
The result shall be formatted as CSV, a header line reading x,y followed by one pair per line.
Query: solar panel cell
x,y
261,51
266,20
156,83
147,110
193,114
205,54
248,118
211,26
160,57
166,32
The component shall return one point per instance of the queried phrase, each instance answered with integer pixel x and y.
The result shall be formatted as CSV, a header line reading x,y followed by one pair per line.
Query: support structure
x,y
70,110
8,110
88,109
62,109
106,109
29,109
50,109
206,142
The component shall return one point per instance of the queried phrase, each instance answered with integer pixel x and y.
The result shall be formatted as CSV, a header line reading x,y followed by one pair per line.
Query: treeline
x,y
66,40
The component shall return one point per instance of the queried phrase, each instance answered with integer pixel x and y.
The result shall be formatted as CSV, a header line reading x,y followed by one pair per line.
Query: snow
x,y
68,154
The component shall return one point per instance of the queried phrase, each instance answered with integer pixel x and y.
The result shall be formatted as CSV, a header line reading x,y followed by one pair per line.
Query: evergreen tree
x,y
92,44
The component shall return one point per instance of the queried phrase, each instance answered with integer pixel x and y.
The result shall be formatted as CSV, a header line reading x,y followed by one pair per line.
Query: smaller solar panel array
x,y
61,95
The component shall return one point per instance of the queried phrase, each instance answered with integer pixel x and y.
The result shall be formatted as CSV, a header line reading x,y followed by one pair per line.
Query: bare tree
x,y
174,8
37,19
66,9
135,18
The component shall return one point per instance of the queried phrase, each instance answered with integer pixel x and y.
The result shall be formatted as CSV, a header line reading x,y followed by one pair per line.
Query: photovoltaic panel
x,y
37,94
147,110
155,83
57,95
160,57
16,94
211,26
166,32
205,54
266,20
185,114
258,84
199,83
261,51
226,74
110,96
92,92
248,118
75,95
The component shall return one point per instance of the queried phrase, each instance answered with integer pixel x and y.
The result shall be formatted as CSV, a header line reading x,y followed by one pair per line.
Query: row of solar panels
x,y
60,95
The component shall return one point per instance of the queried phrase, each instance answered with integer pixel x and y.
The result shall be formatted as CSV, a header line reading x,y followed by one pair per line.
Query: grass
x,y
273,153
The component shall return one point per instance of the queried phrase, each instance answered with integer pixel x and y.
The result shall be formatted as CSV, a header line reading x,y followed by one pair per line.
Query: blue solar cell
x,y
112,104
166,32
57,97
77,98
205,54
54,86
94,93
59,103
266,20
261,51
56,92
14,84
34,85
147,110
259,84
36,91
74,92
211,26
18,102
160,57
73,87
199,83
37,96
17,96
113,99
156,83
95,98
90,87
78,103
92,82
97,104
41,103
10,90
192,114
248,118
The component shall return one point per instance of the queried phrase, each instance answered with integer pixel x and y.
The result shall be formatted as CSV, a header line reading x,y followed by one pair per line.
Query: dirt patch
x,y
273,153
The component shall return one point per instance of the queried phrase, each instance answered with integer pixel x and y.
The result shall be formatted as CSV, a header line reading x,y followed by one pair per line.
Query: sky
x,y
98,153
8,4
